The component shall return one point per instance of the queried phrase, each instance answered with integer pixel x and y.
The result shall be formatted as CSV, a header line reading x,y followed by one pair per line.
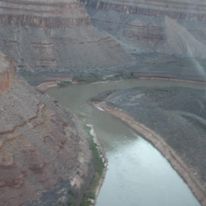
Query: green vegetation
x,y
99,169
99,165
87,78
64,83
71,198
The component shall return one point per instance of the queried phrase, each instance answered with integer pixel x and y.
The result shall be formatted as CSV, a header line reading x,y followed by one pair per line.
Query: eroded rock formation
x,y
44,158
51,39
57,37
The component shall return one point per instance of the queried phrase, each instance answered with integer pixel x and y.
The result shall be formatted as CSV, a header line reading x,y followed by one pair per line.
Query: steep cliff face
x,y
7,73
143,24
43,13
56,37
36,137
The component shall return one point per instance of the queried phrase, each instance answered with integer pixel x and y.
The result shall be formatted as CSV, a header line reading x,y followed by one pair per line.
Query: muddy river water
x,y
137,175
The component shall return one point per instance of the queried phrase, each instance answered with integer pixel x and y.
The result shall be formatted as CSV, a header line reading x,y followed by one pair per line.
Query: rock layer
x,y
57,38
141,24
43,13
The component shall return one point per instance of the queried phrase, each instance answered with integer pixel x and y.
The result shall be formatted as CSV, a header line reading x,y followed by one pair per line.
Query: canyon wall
x,y
50,39
143,24
36,137
57,38
42,13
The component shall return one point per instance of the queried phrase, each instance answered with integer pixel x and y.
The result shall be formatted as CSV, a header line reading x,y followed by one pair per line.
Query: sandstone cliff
x,y
44,158
50,39
57,38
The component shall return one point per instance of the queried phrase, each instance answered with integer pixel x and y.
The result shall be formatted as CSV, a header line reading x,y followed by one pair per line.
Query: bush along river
x,y
137,174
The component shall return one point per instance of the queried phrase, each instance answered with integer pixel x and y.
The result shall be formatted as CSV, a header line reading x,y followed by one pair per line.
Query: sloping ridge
x,y
36,137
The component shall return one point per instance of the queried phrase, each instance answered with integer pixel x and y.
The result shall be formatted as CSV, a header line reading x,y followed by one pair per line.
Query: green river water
x,y
137,175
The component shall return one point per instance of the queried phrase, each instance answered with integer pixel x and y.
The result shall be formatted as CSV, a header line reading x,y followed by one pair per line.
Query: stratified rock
x,y
44,159
57,37
141,24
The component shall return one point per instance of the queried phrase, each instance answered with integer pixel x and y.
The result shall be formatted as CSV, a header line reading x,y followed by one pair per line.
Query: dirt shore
x,y
195,82
184,171
44,86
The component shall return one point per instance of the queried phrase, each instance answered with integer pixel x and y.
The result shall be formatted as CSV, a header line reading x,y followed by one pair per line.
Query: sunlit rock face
x,y
56,36
147,26
36,137
7,73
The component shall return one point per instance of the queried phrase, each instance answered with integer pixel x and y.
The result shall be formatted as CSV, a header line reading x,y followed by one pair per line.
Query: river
x,y
137,175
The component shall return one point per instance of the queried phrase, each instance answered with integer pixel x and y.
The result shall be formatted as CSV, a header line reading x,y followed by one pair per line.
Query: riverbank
x,y
60,81
128,154
195,82
44,86
100,163
184,171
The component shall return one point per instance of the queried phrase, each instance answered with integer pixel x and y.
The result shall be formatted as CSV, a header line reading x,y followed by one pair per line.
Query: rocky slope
x,y
56,38
44,158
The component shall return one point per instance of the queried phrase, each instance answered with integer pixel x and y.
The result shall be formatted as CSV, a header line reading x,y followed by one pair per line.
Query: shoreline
x,y
188,81
104,160
157,141
44,86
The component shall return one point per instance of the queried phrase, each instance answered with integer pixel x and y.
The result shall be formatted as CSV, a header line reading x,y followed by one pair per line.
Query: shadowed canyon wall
x,y
143,24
